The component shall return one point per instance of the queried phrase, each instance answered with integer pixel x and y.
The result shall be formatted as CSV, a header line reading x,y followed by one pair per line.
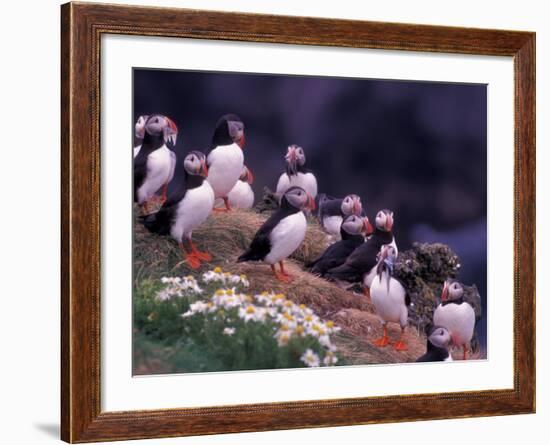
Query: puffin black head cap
x,y
195,163
298,198
229,130
452,290
355,225
384,220
438,336
351,205
159,125
295,157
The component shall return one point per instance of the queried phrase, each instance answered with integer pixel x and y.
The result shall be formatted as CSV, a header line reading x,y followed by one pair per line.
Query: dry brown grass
x,y
226,235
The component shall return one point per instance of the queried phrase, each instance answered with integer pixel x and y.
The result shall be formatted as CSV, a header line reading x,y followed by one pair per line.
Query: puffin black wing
x,y
161,221
140,171
360,262
330,207
335,255
261,245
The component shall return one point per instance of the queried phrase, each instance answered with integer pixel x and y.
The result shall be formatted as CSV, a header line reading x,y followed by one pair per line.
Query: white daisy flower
x,y
330,359
229,331
310,358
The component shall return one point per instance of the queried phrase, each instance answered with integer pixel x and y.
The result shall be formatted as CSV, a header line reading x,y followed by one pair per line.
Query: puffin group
x,y
359,253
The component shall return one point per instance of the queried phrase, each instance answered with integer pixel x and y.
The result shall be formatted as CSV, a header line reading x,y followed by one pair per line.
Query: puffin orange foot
x,y
282,277
400,346
203,256
381,342
192,261
220,209
366,291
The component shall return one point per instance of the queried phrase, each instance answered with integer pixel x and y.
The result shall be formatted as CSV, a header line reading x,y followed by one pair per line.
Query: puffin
x,y
437,348
364,259
353,231
154,163
139,133
186,209
390,298
241,195
226,160
384,221
456,315
282,233
333,211
296,174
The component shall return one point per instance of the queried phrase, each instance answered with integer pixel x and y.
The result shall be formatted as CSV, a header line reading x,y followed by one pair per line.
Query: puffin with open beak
x,y
226,159
186,209
333,211
364,259
154,163
457,315
241,195
353,232
282,233
390,298
296,174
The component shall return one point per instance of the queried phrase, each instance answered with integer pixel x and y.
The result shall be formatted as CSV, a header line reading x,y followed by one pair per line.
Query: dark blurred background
x,y
418,148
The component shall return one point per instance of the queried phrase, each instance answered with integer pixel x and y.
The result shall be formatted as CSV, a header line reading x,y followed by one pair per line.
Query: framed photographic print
x,y
279,222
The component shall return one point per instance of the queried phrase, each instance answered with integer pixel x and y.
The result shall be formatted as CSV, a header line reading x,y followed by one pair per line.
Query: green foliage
x,y
181,327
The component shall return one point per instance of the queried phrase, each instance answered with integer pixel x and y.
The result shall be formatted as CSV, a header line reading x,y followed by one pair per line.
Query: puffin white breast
x,y
286,237
192,210
225,164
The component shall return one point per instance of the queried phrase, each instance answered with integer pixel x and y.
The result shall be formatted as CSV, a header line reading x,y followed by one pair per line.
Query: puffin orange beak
x,y
310,202
367,227
445,293
357,207
389,222
241,141
172,125
249,176
204,169
291,155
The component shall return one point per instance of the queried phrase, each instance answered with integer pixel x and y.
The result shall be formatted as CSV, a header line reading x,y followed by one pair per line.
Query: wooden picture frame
x,y
82,26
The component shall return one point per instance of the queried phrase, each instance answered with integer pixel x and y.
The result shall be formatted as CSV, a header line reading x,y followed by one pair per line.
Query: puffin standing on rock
x,y
186,209
241,195
333,211
154,163
353,231
282,233
226,160
437,349
456,315
390,298
363,260
297,174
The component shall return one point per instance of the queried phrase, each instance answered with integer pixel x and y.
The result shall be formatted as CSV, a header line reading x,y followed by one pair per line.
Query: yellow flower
x,y
288,316
330,324
250,309
302,306
218,270
308,318
243,277
229,292
220,292
299,330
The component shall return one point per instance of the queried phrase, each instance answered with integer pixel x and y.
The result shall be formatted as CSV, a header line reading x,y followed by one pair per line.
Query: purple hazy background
x,y
418,148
